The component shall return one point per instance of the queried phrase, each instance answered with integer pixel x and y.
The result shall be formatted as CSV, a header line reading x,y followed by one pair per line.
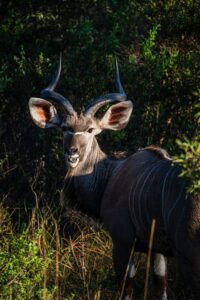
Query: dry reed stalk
x,y
45,257
11,293
57,276
149,258
72,247
40,246
97,295
126,273
83,267
33,222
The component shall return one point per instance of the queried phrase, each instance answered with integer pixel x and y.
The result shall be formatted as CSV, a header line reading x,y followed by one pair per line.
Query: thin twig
x,y
45,258
57,278
126,273
149,258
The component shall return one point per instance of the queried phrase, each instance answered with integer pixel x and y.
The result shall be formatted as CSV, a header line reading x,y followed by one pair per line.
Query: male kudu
x,y
126,194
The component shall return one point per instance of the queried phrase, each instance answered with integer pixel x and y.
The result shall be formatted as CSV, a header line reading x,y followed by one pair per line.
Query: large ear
x,y
43,113
117,116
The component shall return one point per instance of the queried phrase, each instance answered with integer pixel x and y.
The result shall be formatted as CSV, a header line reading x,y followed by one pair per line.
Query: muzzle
x,y
72,160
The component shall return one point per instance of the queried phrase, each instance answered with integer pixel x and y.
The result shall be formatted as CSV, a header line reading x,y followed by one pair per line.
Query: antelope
x,y
126,194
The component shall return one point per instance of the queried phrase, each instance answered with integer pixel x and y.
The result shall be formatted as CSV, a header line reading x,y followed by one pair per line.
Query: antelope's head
x,y
80,130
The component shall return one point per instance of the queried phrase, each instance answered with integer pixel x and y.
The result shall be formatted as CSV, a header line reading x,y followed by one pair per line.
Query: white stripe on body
x,y
169,184
141,191
175,203
163,189
132,196
150,184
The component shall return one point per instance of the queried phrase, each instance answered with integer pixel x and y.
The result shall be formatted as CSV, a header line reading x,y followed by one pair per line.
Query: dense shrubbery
x,y
158,48
37,264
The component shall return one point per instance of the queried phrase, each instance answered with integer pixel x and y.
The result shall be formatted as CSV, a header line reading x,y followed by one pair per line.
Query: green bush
x,y
37,263
21,267
189,158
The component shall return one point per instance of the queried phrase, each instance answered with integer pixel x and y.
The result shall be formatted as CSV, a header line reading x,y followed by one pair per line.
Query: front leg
x,y
124,269
159,277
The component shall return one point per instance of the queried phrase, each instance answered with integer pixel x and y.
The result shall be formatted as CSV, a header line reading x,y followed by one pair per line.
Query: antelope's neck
x,y
89,180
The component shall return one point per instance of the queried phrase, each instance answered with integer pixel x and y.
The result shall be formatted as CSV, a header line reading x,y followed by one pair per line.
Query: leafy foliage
x,y
21,267
190,160
37,264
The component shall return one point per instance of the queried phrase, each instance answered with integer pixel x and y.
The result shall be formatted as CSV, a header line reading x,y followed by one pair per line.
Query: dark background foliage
x,y
157,45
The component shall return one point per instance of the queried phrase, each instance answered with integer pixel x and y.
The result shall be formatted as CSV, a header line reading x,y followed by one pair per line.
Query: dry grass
x,y
79,267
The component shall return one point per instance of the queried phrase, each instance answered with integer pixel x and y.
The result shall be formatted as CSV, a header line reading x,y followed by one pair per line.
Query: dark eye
x,y
64,128
90,130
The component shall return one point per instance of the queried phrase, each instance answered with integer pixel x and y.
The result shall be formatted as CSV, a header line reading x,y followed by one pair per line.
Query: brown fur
x,y
158,152
80,123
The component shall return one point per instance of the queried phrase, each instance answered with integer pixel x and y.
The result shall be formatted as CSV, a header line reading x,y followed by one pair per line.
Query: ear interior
x,y
117,116
43,113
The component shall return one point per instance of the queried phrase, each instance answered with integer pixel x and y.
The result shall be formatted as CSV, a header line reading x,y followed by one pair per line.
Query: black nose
x,y
72,151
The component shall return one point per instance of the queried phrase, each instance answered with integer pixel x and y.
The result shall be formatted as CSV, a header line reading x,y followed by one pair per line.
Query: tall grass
x,y
38,260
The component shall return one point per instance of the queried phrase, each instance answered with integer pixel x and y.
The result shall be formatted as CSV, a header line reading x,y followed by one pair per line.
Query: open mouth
x,y
72,160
